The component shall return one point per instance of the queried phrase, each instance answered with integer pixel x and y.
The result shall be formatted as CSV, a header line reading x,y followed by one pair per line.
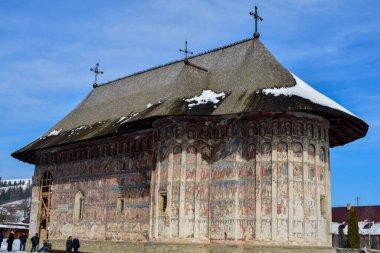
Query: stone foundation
x,y
150,247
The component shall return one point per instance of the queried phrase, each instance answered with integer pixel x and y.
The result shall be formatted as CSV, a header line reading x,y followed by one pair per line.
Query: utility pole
x,y
369,231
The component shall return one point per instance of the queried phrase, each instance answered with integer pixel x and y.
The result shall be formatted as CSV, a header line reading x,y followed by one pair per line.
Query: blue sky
x,y
47,48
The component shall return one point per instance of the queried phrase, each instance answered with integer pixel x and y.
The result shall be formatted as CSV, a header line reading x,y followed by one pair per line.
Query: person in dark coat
x,y
76,244
1,238
69,244
22,242
35,240
10,240
44,247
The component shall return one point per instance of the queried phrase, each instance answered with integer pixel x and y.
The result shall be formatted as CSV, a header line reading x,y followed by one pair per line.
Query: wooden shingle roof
x,y
241,71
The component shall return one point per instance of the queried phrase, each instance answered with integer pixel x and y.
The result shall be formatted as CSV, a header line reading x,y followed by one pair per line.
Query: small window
x,y
163,202
120,205
78,207
322,205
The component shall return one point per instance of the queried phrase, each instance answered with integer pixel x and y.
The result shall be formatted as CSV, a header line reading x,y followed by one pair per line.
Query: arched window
x,y
46,181
78,207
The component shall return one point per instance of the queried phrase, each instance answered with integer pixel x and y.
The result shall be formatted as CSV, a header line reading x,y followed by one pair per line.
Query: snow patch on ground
x,y
206,97
304,90
17,209
15,248
55,132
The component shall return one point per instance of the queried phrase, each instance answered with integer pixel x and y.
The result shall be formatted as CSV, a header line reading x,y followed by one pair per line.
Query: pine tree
x,y
353,230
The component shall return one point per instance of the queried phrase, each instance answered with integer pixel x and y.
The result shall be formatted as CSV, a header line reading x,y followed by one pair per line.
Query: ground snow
x,y
206,97
15,248
304,90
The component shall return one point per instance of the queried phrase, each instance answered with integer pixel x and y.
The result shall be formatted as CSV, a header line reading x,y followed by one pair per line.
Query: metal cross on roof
x,y
257,17
97,72
186,52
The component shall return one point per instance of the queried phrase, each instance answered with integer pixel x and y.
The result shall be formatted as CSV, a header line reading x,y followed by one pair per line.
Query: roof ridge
x,y
175,61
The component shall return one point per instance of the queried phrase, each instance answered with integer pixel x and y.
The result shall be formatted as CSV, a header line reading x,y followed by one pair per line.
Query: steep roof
x,y
243,77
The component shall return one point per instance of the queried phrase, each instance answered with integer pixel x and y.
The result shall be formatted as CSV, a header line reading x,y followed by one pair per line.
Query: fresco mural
x,y
234,179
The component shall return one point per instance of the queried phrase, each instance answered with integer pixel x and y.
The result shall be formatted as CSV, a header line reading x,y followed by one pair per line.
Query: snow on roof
x,y
364,229
304,90
206,97
78,129
55,132
13,227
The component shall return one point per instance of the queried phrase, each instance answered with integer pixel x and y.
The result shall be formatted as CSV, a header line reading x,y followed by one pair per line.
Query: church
x,y
225,151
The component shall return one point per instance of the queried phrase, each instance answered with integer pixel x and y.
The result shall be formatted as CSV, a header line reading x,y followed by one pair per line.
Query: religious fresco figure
x,y
169,132
179,132
275,127
266,151
263,130
282,169
299,129
311,152
161,134
191,132
297,151
288,128
322,155
282,151
252,129
310,130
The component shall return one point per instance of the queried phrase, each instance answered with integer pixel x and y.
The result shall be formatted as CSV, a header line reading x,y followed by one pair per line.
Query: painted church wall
x,y
240,179
115,183
263,179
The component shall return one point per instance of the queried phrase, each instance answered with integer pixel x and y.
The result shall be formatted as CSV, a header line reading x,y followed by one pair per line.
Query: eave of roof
x,y
240,70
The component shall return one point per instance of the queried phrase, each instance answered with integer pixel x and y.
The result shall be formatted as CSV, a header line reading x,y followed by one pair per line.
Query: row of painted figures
x,y
237,128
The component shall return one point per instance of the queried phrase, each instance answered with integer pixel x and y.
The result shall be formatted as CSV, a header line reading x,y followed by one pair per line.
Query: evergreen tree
x,y
353,229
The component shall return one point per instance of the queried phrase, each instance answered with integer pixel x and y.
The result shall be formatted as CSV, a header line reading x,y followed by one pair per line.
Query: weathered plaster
x,y
252,179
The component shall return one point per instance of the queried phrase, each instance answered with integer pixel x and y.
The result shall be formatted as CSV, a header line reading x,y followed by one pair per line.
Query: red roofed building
x,y
369,225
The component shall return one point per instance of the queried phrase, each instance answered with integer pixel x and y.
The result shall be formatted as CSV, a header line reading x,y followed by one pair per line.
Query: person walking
x,y
22,242
35,240
69,244
76,244
10,240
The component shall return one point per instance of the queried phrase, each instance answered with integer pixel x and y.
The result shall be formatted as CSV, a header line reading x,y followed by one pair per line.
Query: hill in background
x,y
15,199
